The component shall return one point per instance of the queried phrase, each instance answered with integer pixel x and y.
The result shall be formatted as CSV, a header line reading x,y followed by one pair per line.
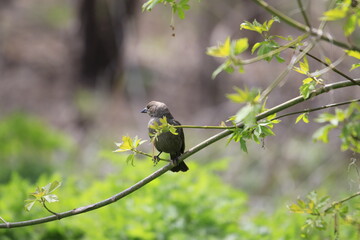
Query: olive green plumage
x,y
167,142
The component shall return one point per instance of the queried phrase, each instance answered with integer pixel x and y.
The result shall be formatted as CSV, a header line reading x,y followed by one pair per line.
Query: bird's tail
x,y
180,167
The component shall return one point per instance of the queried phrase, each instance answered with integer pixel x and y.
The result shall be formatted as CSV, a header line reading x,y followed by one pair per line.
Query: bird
x,y
166,142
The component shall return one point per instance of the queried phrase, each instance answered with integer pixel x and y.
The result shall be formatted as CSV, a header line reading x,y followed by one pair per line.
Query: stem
x,y
43,203
303,13
167,167
308,110
292,22
148,155
204,127
5,222
273,52
333,68
342,201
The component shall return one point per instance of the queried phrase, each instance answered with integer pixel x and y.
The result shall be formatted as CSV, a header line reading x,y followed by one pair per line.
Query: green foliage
x,y
255,132
258,27
178,7
229,50
171,207
349,122
345,10
252,130
356,55
162,127
129,144
304,117
29,147
269,44
43,195
244,96
320,211
311,82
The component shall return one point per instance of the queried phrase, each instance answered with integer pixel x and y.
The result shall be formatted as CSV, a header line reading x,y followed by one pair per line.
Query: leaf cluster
x,y
43,195
162,127
252,130
348,120
310,82
349,10
355,54
269,44
319,209
178,7
229,50
129,144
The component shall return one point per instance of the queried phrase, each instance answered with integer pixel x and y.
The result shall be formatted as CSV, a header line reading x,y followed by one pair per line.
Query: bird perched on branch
x,y
167,142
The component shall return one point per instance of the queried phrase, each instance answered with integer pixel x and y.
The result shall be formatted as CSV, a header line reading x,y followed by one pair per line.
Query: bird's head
x,y
157,109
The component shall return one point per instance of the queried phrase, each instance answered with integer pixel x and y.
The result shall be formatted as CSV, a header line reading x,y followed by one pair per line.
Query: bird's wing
x,y
180,131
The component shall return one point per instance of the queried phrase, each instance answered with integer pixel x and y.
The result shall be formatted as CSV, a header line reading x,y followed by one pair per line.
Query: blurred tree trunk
x,y
102,33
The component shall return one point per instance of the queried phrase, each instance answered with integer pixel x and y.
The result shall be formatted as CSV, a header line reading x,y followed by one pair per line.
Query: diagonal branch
x,y
167,167
292,22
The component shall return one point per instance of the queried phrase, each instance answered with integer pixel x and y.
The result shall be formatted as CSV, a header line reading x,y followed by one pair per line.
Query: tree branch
x,y
167,167
308,110
292,22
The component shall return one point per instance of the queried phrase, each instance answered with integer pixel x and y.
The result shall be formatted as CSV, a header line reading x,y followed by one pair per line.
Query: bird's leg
x,y
156,158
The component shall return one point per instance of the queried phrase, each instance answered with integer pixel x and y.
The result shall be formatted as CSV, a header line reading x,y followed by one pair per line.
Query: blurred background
x,y
74,76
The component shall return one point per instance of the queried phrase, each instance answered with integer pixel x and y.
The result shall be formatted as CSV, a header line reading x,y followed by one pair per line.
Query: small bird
x,y
166,141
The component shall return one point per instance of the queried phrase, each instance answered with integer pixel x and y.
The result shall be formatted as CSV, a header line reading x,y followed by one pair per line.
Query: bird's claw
x,y
155,160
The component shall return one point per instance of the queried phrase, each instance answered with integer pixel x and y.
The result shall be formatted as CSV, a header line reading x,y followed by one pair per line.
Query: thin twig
x,y
303,13
50,211
292,22
342,201
332,67
308,110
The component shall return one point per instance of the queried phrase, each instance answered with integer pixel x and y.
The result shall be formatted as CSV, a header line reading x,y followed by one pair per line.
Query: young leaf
x,y
222,50
303,117
241,45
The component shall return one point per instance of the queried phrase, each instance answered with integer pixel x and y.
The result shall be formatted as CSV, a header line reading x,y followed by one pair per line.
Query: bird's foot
x,y
155,160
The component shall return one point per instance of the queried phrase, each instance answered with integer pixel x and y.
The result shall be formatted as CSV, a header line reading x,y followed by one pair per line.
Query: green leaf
x,y
241,45
350,25
52,187
29,204
221,68
149,5
303,67
334,14
322,134
244,96
306,89
256,46
51,198
243,145
266,47
353,53
130,159
257,27
296,208
125,145
222,50
303,117
354,66
244,113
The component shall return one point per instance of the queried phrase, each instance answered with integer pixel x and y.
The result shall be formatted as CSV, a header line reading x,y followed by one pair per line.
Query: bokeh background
x,y
74,76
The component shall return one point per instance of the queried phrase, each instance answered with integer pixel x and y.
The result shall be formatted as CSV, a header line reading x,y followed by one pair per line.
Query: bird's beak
x,y
145,110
